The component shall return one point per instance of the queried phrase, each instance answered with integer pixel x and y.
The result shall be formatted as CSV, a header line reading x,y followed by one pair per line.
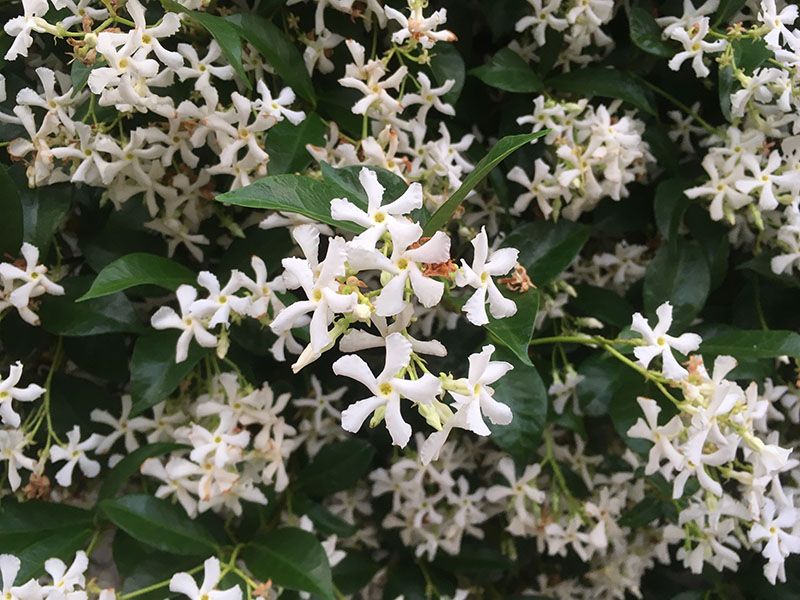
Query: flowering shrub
x,y
354,298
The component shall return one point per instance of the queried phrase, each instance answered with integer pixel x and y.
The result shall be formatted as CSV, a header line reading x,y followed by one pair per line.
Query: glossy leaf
x,y
753,344
546,248
508,71
64,315
603,304
160,524
515,332
346,179
291,193
447,63
523,391
286,144
670,205
646,33
225,33
604,377
337,466
679,273
499,152
11,209
139,269
291,558
35,531
278,49
606,83
154,372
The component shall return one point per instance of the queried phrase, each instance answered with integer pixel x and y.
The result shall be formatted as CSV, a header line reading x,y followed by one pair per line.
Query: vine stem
x,y
155,586
664,94
608,346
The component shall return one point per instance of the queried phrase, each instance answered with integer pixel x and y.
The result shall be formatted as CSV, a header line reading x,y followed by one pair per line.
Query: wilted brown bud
x,y
518,281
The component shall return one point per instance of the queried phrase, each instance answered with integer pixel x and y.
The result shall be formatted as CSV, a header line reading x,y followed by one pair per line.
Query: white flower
x,y
66,580
318,280
429,96
403,265
657,342
178,477
476,401
486,265
695,46
8,393
378,218
275,109
660,436
779,537
12,445
191,326
9,567
20,27
221,302
74,452
183,583
387,389
419,28
358,339
123,427
34,282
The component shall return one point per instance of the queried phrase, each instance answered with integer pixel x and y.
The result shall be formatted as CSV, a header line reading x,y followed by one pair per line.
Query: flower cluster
x,y
22,282
596,155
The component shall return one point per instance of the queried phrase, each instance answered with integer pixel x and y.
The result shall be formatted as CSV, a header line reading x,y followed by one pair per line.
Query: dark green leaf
x,y
663,149
278,49
291,558
62,545
726,86
159,524
36,531
643,513
670,204
325,521
154,372
679,273
291,193
138,269
286,144
727,10
604,377
11,209
478,561
63,315
21,523
116,478
523,391
354,572
515,332
546,248
79,74
753,344
646,33
607,83
750,54
603,304
509,72
226,34
501,150
446,63
761,265
346,178
337,466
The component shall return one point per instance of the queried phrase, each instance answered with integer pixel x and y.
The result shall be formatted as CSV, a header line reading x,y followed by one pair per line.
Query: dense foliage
x,y
354,298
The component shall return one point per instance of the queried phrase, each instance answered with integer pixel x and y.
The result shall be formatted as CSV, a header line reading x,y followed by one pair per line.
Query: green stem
x,y
155,586
703,123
